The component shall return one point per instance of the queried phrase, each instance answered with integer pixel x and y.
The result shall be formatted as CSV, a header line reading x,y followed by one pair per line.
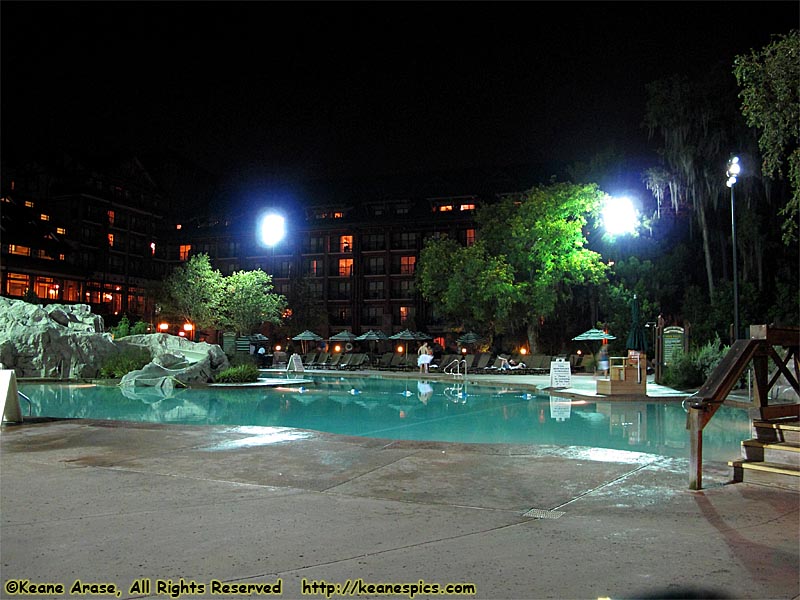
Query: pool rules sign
x,y
560,374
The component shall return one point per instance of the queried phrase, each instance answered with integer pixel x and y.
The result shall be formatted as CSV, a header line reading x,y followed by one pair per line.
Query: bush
x,y
129,359
245,373
691,370
124,329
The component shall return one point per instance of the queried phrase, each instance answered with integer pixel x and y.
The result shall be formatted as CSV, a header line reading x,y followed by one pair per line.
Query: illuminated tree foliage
x,y
530,256
201,295
192,290
467,285
770,92
247,301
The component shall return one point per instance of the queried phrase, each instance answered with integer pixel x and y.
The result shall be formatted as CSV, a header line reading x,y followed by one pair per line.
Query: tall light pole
x,y
734,168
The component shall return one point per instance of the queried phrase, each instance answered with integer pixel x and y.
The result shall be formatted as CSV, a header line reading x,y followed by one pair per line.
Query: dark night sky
x,y
260,90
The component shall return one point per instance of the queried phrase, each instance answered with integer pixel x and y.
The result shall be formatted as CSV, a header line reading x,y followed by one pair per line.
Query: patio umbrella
x,y
404,335
372,336
307,336
423,336
345,336
637,340
468,338
594,334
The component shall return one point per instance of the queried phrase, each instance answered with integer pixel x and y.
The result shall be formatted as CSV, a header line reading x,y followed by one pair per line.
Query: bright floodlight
x,y
734,168
271,229
619,216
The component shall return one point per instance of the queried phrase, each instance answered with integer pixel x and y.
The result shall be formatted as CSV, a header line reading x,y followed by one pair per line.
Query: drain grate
x,y
538,513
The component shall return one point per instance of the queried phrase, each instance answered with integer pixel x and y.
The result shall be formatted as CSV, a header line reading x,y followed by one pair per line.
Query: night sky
x,y
261,91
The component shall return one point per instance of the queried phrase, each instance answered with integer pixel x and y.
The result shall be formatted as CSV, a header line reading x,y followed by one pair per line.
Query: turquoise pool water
x,y
407,409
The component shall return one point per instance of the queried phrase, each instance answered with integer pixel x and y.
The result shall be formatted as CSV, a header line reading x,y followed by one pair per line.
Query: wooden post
x,y
695,448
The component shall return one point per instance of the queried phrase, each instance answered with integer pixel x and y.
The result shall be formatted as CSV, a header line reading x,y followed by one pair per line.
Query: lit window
x,y
470,237
5,200
110,218
405,312
111,239
19,250
44,217
29,203
445,208
407,265
467,207
338,215
345,267
17,284
346,243
60,257
183,251
153,248
61,230
178,226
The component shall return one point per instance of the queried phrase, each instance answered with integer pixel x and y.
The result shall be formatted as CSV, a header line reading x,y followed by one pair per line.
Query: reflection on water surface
x,y
406,409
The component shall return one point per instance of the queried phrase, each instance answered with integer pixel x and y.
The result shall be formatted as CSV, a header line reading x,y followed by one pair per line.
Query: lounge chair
x,y
333,363
480,362
385,360
357,361
495,366
321,361
444,362
398,362
309,359
542,366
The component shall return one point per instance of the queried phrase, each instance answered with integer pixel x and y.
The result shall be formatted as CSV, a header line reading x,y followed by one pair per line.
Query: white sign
x,y
560,374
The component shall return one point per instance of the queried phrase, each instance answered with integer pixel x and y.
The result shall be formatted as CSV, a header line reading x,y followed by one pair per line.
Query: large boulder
x,y
60,341
67,342
176,361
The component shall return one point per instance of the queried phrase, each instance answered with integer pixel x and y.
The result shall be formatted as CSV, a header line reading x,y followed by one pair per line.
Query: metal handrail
x,y
30,403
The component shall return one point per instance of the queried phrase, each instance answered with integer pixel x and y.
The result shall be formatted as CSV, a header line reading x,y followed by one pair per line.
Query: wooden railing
x,y
758,350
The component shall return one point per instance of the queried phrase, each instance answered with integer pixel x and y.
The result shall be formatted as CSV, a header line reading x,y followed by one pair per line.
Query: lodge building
x,y
106,238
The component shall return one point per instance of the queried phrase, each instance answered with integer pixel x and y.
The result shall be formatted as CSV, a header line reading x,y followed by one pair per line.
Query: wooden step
x,y
785,453
765,473
777,431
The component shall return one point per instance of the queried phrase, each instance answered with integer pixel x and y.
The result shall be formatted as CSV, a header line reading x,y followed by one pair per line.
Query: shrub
x,y
139,328
124,328
690,370
122,363
245,373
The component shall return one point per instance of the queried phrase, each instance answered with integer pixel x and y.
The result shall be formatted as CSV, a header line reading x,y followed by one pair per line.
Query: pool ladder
x,y
454,368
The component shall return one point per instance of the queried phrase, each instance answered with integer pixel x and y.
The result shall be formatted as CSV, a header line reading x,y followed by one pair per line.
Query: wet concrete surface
x,y
116,502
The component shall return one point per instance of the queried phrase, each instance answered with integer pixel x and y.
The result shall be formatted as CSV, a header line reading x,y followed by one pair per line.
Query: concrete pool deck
x,y
114,502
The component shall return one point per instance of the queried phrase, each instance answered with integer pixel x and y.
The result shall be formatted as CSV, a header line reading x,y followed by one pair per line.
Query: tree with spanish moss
x,y
769,81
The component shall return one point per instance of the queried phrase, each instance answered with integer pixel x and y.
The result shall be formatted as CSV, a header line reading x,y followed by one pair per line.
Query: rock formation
x,y
68,342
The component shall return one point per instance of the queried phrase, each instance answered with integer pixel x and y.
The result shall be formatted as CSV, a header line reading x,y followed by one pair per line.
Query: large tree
x,y
192,291
530,256
247,301
770,92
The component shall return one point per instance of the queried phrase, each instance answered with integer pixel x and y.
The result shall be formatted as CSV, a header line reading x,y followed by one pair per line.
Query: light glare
x,y
271,229
619,216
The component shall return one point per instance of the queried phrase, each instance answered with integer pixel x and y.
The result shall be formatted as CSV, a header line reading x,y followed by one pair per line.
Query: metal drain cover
x,y
538,513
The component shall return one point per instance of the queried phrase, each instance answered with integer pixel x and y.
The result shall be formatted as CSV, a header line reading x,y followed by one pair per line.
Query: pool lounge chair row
x,y
482,363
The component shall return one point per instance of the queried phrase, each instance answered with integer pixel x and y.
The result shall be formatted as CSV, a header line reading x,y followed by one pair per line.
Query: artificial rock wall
x,y
68,342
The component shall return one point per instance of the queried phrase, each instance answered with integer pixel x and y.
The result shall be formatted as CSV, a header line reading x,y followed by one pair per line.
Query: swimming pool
x,y
407,409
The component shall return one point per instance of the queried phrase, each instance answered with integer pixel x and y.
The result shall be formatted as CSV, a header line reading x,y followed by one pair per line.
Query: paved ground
x,y
180,505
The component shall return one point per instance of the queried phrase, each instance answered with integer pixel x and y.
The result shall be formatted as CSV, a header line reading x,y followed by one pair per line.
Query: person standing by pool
x,y
425,356
602,361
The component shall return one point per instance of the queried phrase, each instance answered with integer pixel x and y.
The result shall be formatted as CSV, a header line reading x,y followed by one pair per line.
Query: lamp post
x,y
734,168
